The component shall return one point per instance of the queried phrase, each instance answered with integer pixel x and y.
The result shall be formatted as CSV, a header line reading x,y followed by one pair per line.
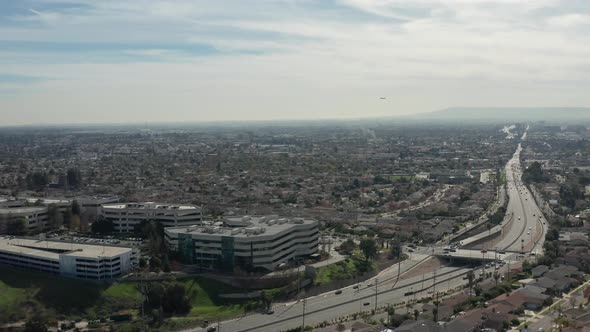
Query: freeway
x,y
527,227
328,306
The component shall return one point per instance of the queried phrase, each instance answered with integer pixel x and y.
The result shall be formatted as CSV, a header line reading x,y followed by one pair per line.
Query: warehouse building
x,y
246,242
126,216
74,260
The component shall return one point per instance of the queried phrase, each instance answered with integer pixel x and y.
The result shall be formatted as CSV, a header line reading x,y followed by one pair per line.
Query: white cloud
x,y
291,59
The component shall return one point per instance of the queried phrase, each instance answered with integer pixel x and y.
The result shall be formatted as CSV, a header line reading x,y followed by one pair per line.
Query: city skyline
x,y
79,61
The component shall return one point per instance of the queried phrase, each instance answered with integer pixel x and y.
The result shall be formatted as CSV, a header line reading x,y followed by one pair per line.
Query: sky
x,y
147,61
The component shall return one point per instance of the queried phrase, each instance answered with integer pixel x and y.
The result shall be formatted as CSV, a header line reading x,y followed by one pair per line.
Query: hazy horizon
x,y
109,62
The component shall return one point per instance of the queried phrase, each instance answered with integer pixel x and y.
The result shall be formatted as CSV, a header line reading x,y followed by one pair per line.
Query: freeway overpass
x,y
477,255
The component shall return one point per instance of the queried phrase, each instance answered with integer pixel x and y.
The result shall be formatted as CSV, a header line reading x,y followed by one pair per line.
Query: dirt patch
x,y
429,265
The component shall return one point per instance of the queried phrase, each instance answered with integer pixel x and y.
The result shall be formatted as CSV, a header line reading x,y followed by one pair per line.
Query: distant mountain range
x,y
565,114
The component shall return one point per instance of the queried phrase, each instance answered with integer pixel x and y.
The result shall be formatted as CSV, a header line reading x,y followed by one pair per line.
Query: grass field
x,y
346,269
69,298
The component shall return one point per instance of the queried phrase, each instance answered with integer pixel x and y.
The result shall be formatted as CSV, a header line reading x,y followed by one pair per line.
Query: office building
x,y
34,217
246,242
75,260
126,216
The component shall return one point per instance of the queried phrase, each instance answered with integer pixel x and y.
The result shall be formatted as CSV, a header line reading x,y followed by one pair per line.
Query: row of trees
x,y
162,299
40,179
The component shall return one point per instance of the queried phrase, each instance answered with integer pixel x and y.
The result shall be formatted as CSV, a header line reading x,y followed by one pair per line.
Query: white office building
x,y
75,260
126,216
246,242
35,217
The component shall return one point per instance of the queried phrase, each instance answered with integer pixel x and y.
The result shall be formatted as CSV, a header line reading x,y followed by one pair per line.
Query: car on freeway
x,y
366,303
338,292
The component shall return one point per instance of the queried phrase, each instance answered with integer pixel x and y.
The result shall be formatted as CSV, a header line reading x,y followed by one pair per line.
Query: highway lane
x,y
526,230
331,305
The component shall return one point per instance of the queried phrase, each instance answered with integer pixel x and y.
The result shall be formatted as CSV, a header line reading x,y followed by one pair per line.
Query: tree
x,y
74,178
477,290
266,298
76,208
16,226
470,278
390,314
526,266
155,264
67,217
534,173
395,248
166,264
154,233
55,218
175,299
435,314
496,277
369,248
37,181
416,314
102,225
75,223
347,247
36,324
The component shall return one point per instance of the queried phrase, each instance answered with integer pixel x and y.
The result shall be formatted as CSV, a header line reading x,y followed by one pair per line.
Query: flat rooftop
x,y
52,249
150,206
27,209
245,226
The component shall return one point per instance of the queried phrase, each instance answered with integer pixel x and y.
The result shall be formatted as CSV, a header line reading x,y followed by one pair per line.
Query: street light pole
x,y
303,320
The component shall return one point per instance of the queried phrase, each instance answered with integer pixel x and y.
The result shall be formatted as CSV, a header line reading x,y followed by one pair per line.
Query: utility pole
x,y
422,288
376,283
434,282
218,325
303,321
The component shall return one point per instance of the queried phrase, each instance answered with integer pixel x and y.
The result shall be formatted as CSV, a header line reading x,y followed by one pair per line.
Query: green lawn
x,y
346,269
503,177
10,296
70,298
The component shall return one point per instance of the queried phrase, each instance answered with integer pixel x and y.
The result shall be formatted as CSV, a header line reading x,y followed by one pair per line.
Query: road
x,y
329,306
527,227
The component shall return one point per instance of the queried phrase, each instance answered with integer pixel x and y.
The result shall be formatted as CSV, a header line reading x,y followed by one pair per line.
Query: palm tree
x,y
416,314
390,314
435,314
496,277
470,278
